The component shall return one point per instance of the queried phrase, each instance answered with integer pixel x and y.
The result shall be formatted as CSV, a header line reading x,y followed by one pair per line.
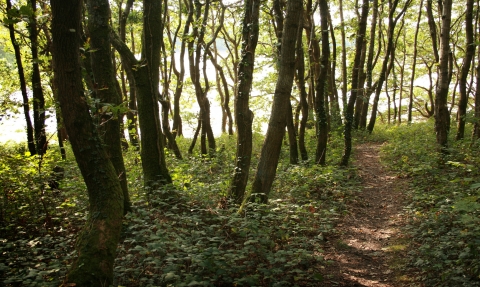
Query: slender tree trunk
x,y
146,85
392,22
344,58
38,98
322,87
370,64
300,65
23,83
442,116
132,122
414,64
332,87
243,114
362,28
476,125
270,153
361,91
470,52
433,30
177,119
97,243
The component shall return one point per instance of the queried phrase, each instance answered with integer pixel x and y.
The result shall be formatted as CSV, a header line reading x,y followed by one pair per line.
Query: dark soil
x,y
363,251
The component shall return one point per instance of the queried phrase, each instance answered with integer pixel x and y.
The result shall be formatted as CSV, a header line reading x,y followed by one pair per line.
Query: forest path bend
x,y
360,251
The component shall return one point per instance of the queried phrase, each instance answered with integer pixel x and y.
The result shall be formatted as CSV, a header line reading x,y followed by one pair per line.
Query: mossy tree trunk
x,y
97,243
270,153
243,114
105,88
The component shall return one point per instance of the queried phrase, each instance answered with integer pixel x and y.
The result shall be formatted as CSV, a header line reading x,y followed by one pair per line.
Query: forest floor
x,y
364,249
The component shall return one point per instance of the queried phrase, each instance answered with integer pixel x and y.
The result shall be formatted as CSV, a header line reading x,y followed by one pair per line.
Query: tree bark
x,y
392,22
146,75
300,66
362,28
106,88
37,91
321,87
371,62
270,153
414,64
470,52
442,116
243,114
98,240
23,83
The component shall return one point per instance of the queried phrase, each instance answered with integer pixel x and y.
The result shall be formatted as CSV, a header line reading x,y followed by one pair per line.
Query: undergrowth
x,y
444,211
195,238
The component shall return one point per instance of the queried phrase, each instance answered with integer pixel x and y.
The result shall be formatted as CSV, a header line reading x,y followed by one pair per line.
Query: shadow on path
x,y
360,251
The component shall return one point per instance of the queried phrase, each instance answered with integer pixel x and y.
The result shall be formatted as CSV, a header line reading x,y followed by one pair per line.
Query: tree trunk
x,y
38,98
132,122
362,28
270,153
442,116
23,83
476,124
106,88
195,55
146,75
390,45
98,240
300,65
344,58
322,87
414,64
470,52
243,114
371,62
177,127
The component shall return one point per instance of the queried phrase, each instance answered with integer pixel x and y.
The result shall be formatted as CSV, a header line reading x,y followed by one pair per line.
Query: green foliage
x,y
191,237
444,212
37,221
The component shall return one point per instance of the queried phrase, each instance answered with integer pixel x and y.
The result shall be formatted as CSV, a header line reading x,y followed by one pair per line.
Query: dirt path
x,y
360,251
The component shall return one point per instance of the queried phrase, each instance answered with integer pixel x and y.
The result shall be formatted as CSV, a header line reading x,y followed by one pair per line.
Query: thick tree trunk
x,y
442,116
362,28
470,52
270,153
98,240
243,114
106,87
